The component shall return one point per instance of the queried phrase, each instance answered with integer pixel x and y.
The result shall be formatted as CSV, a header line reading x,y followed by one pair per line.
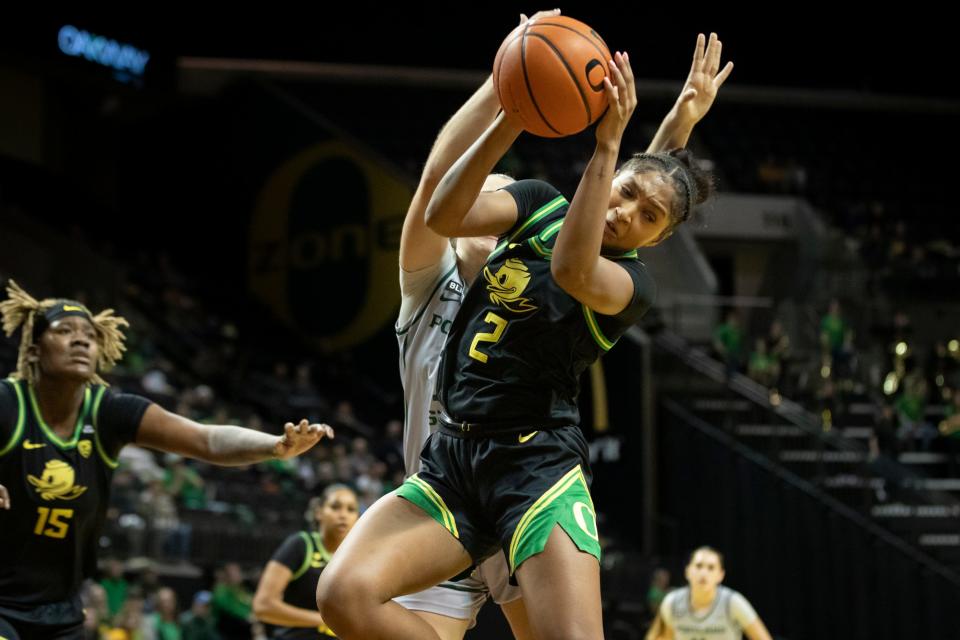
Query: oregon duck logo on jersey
x,y
85,448
318,561
56,483
506,286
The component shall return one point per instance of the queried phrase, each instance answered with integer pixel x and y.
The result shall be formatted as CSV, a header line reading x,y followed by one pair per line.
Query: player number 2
x,y
493,337
51,522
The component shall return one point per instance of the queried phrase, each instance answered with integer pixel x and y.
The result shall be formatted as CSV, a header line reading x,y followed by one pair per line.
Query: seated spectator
x,y
95,611
836,339
763,368
115,586
728,342
778,346
390,446
170,536
911,406
129,623
184,483
232,604
659,586
198,623
884,438
162,624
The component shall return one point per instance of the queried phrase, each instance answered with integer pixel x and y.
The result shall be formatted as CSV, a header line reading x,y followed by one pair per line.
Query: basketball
x,y
549,76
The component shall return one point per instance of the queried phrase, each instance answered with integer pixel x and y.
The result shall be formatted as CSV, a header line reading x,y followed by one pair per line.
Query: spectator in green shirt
x,y
198,624
232,603
116,587
728,341
911,407
659,586
832,328
763,367
184,483
163,622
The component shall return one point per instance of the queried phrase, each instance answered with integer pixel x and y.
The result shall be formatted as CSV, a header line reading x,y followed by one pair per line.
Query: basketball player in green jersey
x,y
401,550
287,593
61,430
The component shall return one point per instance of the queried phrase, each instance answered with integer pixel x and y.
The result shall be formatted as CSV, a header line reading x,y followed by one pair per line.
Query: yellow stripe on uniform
x,y
536,242
318,546
542,503
306,556
449,521
538,215
594,328
541,250
110,462
423,487
551,230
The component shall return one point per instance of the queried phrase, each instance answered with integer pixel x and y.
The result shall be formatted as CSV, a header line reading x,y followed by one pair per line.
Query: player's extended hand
x,y
622,98
4,498
704,81
300,438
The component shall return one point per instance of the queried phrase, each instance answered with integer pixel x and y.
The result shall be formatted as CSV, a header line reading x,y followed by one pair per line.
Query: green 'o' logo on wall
x,y
324,241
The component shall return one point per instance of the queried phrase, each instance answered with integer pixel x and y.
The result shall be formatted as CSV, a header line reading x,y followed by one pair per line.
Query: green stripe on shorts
x,y
566,503
423,495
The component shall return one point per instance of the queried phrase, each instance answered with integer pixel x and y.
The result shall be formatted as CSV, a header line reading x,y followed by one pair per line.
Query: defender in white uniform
x,y
431,299
705,610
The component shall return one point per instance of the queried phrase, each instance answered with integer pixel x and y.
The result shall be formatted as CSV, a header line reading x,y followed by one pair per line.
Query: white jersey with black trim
x,y
726,619
430,299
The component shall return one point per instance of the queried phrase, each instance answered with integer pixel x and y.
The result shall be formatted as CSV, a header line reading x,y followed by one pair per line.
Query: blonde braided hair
x,y
20,311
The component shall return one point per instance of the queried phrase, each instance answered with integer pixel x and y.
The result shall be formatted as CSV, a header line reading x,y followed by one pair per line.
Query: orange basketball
x,y
549,76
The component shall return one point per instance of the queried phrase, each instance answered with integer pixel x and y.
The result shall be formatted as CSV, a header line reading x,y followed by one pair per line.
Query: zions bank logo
x,y
324,243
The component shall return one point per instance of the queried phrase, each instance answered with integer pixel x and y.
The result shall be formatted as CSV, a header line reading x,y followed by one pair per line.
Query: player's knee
x,y
329,595
343,595
328,589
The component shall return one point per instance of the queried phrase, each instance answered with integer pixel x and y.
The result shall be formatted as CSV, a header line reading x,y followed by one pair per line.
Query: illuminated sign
x,y
123,58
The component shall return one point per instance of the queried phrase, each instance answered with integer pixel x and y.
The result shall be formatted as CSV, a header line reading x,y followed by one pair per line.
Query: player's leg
x,y
547,525
561,591
395,548
495,574
515,612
